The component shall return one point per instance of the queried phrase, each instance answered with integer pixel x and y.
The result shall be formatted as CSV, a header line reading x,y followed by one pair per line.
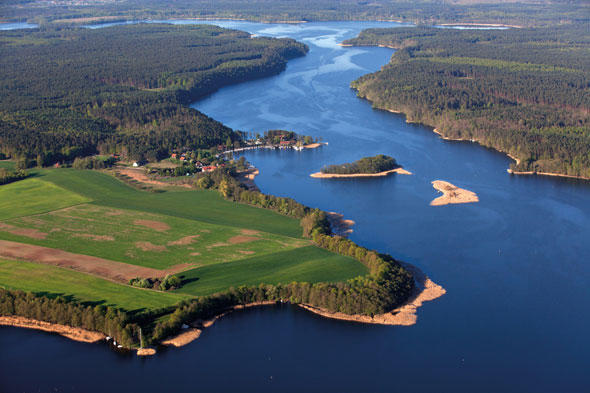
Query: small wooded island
x,y
379,165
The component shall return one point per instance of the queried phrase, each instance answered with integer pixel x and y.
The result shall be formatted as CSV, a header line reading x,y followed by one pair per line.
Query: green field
x,y
219,243
33,196
306,264
53,281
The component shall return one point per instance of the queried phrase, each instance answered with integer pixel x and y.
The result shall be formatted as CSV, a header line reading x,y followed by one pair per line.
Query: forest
x,y
376,164
525,92
523,12
74,92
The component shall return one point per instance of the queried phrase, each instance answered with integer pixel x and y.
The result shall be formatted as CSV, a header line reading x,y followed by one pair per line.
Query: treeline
x,y
522,91
74,92
376,164
7,176
522,12
107,320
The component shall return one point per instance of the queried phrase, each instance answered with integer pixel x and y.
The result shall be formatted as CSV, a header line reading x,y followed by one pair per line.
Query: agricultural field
x,y
80,287
84,234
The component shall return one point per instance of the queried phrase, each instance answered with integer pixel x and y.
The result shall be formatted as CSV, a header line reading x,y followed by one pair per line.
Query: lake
x,y
516,265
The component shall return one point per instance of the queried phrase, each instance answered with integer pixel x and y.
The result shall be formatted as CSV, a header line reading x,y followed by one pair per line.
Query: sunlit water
x,y
515,265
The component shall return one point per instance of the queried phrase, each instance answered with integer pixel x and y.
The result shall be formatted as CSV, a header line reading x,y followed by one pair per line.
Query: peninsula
x,y
379,165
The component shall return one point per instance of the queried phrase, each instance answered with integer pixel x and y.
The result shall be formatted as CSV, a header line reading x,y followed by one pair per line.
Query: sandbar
x,y
452,194
320,175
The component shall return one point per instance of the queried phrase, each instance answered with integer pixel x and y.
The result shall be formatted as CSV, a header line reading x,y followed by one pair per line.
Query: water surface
x,y
515,265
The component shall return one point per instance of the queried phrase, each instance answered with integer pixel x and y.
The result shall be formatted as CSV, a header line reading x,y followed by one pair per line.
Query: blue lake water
x,y
515,265
17,26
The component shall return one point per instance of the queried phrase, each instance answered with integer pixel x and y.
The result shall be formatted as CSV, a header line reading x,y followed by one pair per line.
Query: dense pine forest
x,y
522,12
66,93
522,91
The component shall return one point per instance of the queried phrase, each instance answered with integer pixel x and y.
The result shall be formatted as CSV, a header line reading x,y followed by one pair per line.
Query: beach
x,y
452,194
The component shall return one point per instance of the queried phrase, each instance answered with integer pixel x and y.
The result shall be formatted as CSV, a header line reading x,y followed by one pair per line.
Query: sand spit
x,y
320,175
340,226
452,194
405,315
314,145
146,351
73,333
196,327
247,178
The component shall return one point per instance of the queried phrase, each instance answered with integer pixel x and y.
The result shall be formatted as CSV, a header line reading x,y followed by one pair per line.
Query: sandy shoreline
x,y
73,333
247,178
196,327
546,174
320,175
340,226
452,194
405,315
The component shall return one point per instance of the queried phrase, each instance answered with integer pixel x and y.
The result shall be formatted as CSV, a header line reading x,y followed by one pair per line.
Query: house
x,y
182,158
286,144
209,168
56,165
174,156
198,164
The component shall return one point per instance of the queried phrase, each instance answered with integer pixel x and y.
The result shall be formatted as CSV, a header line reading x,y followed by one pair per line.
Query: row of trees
x,y
107,320
515,90
7,176
376,164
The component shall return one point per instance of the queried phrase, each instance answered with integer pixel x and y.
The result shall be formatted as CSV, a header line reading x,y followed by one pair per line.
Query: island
x,y
379,165
452,194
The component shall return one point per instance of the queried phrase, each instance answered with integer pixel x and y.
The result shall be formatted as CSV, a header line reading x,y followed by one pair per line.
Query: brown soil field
x,y
147,246
155,225
27,232
185,241
98,238
111,270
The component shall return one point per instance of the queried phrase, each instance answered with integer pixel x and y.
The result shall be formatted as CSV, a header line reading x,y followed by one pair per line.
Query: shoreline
x,y
73,333
340,226
425,290
404,315
510,171
195,328
320,175
452,194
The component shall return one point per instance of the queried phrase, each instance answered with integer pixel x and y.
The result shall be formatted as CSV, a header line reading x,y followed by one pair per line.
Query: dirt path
x,y
452,194
72,333
111,270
